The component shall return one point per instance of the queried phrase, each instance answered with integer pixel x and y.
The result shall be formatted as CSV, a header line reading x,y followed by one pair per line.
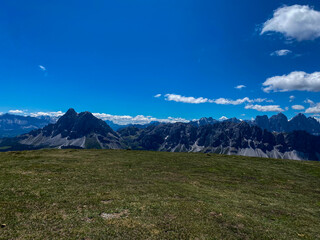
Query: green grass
x,y
91,143
4,147
63,194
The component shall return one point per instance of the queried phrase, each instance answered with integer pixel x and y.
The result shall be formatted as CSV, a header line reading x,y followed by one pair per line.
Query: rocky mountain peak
x,y
74,125
70,112
300,116
280,123
279,116
87,115
234,120
76,130
86,123
263,122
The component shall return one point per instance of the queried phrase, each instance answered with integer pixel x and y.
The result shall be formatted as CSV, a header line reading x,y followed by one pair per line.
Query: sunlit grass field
x,y
121,194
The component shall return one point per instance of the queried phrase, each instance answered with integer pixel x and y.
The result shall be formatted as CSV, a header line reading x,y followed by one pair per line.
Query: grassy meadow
x,y
122,194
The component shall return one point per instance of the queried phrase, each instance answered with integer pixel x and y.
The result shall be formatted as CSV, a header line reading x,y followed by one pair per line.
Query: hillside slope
x,y
118,194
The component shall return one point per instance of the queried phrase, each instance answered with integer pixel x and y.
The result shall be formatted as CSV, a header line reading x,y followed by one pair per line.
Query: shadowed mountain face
x,y
73,126
14,125
235,137
72,130
280,123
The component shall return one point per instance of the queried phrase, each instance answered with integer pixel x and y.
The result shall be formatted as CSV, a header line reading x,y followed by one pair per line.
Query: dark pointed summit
x,y
299,116
86,123
301,122
69,116
71,111
279,123
74,125
65,123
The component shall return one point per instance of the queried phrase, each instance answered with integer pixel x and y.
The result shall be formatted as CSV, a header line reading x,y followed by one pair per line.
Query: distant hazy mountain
x,y
116,127
203,121
209,121
280,123
72,130
14,125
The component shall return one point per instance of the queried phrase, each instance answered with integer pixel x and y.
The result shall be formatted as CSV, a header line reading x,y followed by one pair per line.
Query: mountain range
x,y
233,137
12,125
280,123
224,138
117,127
276,123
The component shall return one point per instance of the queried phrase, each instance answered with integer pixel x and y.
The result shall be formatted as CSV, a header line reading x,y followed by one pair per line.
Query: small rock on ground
x,y
114,215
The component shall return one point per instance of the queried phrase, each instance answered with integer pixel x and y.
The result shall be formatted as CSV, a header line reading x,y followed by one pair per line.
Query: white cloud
x,y
294,22
16,111
223,118
220,101
281,53
53,115
260,100
267,108
183,99
225,101
297,107
309,101
240,87
42,68
140,119
299,81
47,114
314,108
157,96
291,98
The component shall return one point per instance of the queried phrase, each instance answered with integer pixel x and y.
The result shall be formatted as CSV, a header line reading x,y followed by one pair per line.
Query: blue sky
x,y
113,57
